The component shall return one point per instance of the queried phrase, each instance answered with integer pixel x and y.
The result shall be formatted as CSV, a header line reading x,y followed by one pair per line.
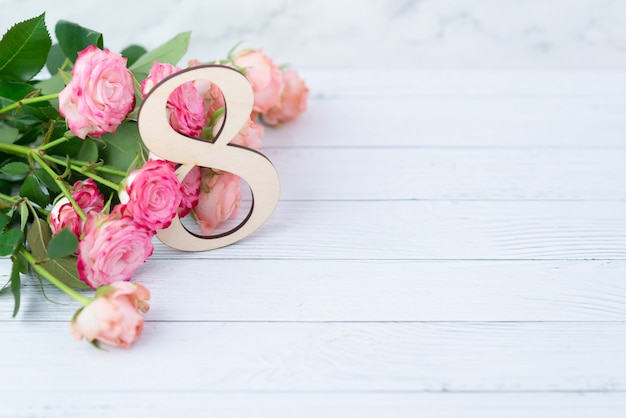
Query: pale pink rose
x,y
113,317
100,94
190,188
249,136
264,76
292,101
63,215
112,248
185,106
210,92
153,194
220,197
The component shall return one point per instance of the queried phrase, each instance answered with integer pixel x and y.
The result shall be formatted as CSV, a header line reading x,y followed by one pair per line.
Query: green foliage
x,y
5,187
9,240
73,38
8,134
24,49
64,269
63,244
15,287
121,149
56,58
15,168
31,189
69,149
52,85
4,221
47,180
12,90
88,151
132,53
170,52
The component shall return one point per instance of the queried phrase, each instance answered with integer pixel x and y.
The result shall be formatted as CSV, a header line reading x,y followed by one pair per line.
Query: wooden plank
x,y
374,83
427,230
315,405
541,122
288,290
178,357
450,174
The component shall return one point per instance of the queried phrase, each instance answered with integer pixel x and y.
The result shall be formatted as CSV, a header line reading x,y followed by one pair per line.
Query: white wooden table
x,y
447,244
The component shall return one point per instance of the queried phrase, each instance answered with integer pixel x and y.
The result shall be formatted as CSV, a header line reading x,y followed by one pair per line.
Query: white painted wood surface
x,y
446,245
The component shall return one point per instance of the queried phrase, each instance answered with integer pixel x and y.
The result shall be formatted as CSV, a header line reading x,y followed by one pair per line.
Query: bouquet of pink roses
x,y
81,198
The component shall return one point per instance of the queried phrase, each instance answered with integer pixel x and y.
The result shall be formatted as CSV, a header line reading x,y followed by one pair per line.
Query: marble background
x,y
451,34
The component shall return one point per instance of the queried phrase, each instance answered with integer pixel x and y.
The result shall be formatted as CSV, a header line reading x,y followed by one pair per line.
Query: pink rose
x,y
292,101
100,94
210,92
112,248
63,214
185,106
220,197
87,195
249,136
264,76
153,195
113,317
190,188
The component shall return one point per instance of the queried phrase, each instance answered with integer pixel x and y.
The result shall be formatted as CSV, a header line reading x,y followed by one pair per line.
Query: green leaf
x,y
170,52
5,187
8,134
73,38
15,168
63,244
121,148
88,151
24,49
65,270
132,53
15,90
24,215
52,85
15,287
38,236
22,263
9,241
56,58
31,188
4,220
46,179
71,148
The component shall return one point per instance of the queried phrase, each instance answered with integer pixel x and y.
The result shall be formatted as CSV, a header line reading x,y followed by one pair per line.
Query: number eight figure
x,y
250,165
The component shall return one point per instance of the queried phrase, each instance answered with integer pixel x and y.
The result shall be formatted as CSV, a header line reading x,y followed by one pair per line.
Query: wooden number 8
x,y
252,166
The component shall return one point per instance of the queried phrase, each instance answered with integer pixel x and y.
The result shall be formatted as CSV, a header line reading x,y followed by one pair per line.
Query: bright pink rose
x,y
153,195
264,76
220,197
112,248
190,188
185,106
113,317
63,215
292,101
100,94
87,195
